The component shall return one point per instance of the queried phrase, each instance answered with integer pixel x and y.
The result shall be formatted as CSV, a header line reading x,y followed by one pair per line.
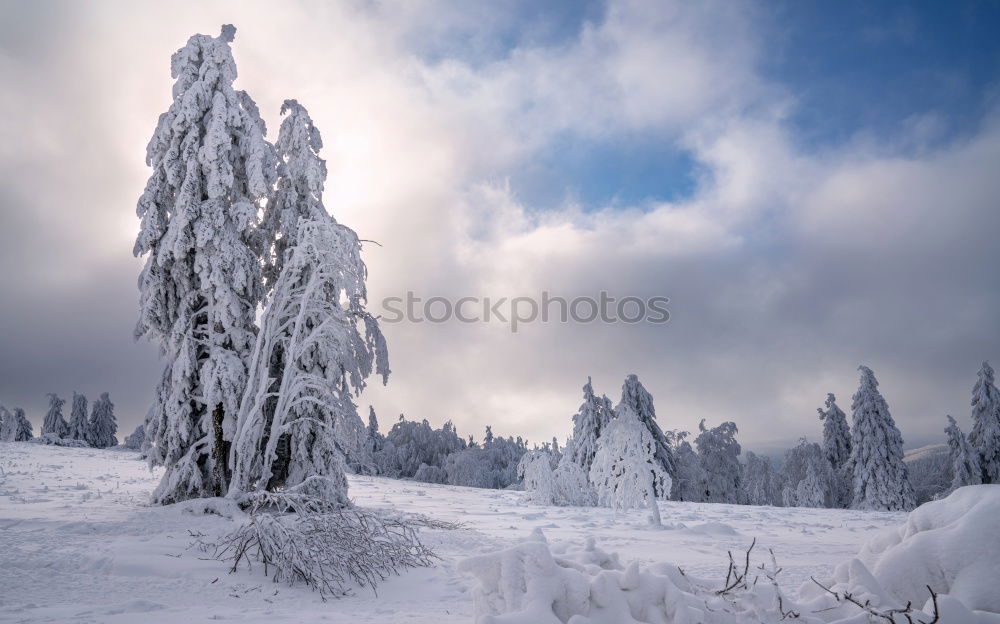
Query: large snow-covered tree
x,y
626,473
201,284
329,346
719,455
102,427
879,476
54,421
964,459
588,422
985,433
78,423
636,397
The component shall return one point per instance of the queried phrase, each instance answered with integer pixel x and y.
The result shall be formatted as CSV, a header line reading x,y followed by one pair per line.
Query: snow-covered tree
x,y
102,426
135,440
626,473
375,440
588,422
22,426
985,433
14,426
493,464
201,284
879,476
688,484
566,484
635,396
761,483
54,421
965,468
719,453
329,345
836,433
809,479
78,423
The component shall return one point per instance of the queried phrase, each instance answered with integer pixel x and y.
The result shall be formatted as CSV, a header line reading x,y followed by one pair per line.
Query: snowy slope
x,y
78,543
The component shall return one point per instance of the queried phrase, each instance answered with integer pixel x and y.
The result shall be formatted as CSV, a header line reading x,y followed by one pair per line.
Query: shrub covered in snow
x,y
566,485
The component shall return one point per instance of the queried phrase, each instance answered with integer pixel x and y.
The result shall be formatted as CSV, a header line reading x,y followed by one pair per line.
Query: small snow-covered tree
x,y
102,426
879,475
588,422
135,440
329,345
375,440
14,426
78,423
54,421
985,433
761,483
201,284
809,478
719,453
965,468
535,471
641,402
626,473
836,433
22,426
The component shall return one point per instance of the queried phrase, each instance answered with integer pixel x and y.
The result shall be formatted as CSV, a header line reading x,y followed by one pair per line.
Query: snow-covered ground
x,y
78,543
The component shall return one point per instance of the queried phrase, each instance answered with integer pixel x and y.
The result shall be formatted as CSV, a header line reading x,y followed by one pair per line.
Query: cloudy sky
x,y
813,185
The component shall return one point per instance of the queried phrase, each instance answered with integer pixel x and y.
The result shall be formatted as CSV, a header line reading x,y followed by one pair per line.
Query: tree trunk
x,y
219,454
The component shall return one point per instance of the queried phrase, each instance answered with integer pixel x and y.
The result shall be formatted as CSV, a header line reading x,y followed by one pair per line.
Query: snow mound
x,y
951,545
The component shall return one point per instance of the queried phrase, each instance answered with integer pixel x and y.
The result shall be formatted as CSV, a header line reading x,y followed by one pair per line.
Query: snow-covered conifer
x,y
535,471
588,422
78,423
985,433
718,453
102,426
879,475
54,421
626,473
836,433
375,440
761,483
201,284
641,401
135,440
14,426
329,348
965,468
22,426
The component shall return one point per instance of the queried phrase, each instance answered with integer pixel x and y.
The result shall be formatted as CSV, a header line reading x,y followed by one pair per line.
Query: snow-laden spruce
x,y
879,476
836,433
329,345
689,478
14,426
964,460
54,422
79,425
636,397
985,433
102,426
719,455
375,440
201,283
588,423
626,473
